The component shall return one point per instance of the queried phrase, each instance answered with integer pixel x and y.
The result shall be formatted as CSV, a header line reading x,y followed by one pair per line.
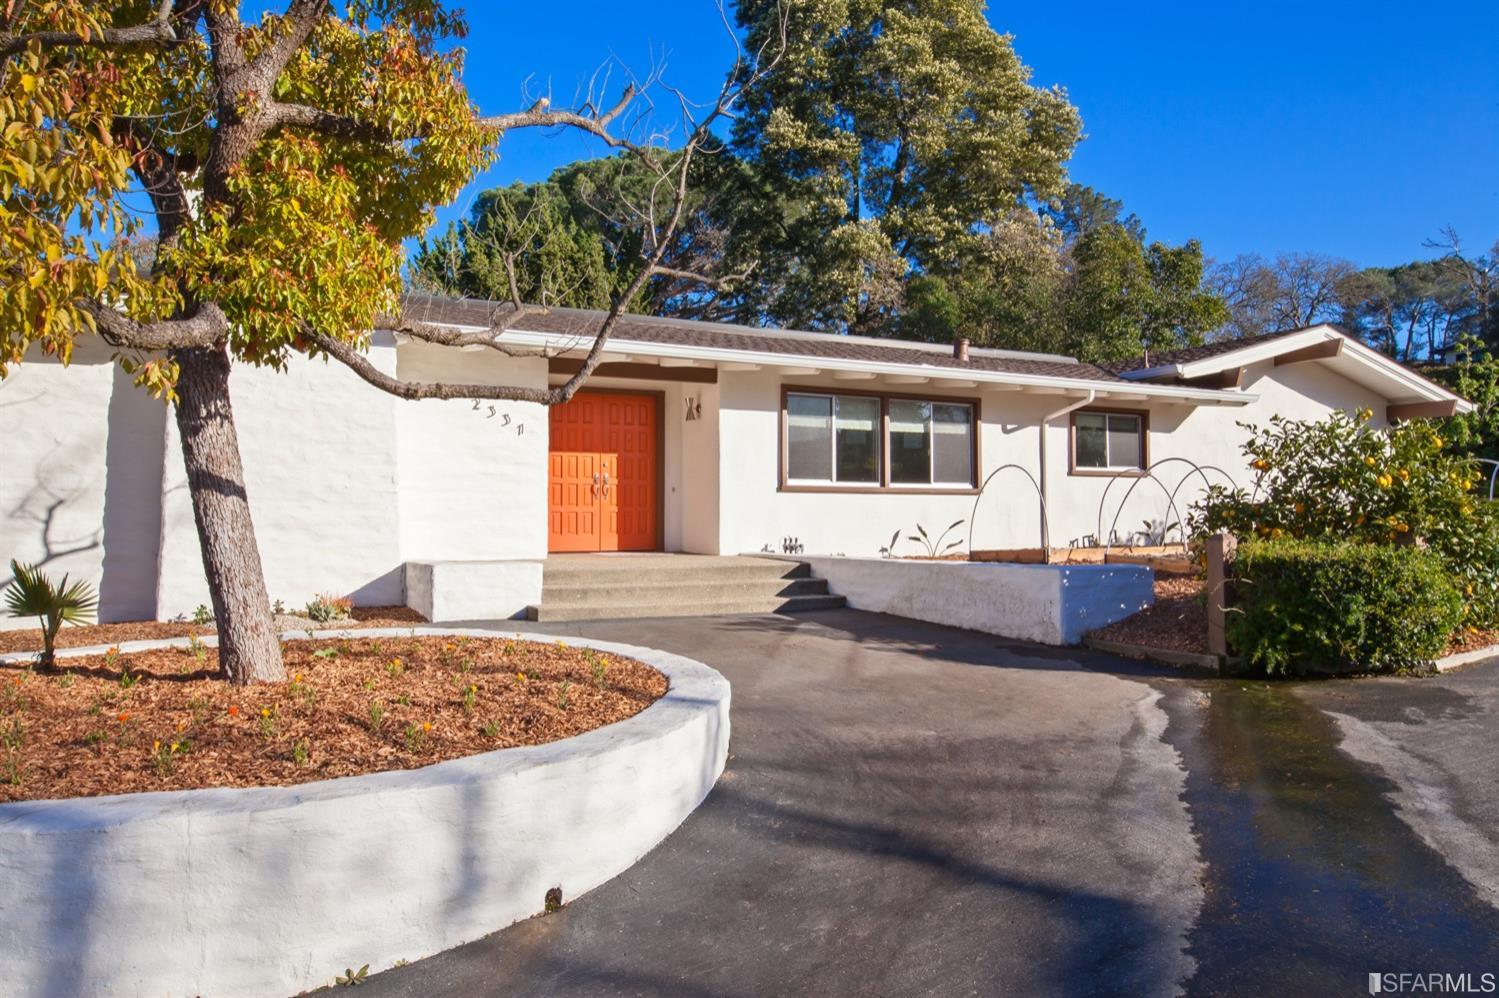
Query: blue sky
x,y
1357,130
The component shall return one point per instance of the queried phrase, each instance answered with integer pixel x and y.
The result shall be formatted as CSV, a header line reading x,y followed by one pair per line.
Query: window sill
x,y
882,490
1106,472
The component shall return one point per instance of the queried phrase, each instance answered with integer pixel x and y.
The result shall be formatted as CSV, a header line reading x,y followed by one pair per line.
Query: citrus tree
x,y
283,160
1339,479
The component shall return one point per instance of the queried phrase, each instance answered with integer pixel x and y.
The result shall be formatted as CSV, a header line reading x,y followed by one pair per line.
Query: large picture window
x,y
872,441
832,439
1108,441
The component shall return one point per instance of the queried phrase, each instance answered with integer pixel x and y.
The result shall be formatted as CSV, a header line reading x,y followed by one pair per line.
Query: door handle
x,y
606,485
595,487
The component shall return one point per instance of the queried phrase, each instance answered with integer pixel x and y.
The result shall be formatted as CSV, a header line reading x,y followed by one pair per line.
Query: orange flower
x,y
124,716
426,726
233,711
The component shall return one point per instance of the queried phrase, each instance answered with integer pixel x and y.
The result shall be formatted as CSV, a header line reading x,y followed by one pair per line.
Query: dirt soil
x,y
1472,640
161,720
30,638
1178,621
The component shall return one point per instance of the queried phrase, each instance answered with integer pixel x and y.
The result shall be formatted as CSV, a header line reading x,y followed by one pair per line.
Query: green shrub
x,y
1339,479
324,607
1305,607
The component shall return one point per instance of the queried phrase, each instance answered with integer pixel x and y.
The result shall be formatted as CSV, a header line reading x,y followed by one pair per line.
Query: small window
x,y
931,443
1108,441
832,438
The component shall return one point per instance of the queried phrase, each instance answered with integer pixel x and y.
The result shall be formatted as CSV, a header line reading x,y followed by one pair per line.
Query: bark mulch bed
x,y
161,720
30,638
1177,622
1472,640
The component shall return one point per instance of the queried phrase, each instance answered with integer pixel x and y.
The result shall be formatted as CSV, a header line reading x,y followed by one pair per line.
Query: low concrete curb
x,y
274,890
1167,656
1466,658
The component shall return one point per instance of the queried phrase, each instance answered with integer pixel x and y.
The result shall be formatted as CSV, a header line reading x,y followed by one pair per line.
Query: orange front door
x,y
603,473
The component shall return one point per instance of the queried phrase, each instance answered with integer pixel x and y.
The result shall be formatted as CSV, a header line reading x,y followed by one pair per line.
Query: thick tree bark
x,y
249,650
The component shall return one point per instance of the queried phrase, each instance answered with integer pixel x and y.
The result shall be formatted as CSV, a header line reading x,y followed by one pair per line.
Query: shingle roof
x,y
723,336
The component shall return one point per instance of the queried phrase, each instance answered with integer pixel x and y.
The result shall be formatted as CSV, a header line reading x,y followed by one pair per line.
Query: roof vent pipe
x,y
960,349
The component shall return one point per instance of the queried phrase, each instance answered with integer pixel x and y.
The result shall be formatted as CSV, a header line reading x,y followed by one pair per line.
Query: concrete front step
x,y
674,608
562,571
632,591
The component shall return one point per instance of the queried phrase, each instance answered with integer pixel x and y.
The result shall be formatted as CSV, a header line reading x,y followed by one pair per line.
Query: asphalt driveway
x,y
911,809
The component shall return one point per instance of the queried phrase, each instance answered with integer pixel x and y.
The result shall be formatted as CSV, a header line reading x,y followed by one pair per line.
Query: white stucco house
x,y
692,436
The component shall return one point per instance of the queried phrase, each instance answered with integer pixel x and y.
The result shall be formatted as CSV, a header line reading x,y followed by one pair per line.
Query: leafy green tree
x,y
1475,376
1410,311
887,135
1124,298
519,242
284,160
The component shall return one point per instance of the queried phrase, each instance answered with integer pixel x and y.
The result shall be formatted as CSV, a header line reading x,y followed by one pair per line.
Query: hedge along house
x,y
691,437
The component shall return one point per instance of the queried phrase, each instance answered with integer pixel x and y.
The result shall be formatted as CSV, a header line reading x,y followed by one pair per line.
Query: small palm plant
x,y
935,548
32,594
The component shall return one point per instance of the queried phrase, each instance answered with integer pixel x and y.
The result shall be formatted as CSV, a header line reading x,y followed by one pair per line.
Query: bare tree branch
x,y
540,115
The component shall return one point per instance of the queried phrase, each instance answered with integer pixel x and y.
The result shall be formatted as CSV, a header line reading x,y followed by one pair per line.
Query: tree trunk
x,y
249,650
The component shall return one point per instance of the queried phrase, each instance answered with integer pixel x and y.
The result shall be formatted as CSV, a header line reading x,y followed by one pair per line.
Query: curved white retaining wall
x,y
270,891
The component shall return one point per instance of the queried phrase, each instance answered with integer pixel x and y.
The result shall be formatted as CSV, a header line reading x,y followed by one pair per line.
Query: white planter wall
x,y
274,890
1049,604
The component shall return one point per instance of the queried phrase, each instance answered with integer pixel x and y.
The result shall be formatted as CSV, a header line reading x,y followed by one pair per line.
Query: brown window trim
x,y
1074,470
883,486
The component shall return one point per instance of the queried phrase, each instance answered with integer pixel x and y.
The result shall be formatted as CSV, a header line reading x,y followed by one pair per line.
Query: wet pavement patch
x,y
1313,882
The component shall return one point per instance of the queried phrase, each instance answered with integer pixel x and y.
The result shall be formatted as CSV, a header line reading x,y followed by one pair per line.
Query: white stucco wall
x,y
321,470
473,485
274,890
754,513
80,478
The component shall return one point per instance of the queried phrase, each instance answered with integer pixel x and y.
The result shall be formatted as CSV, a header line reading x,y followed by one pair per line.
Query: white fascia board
x,y
1421,389
1258,352
637,348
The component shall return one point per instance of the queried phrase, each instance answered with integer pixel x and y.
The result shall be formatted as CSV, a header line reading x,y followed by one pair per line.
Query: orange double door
x,y
603,473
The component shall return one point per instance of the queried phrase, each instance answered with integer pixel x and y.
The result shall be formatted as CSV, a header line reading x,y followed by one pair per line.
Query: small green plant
x,y
301,752
202,616
268,723
935,548
403,700
32,594
278,608
376,716
326,653
302,689
394,667
563,690
12,735
127,679
597,666
352,978
416,736
164,755
489,729
197,648
64,681
94,737
324,608
470,697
